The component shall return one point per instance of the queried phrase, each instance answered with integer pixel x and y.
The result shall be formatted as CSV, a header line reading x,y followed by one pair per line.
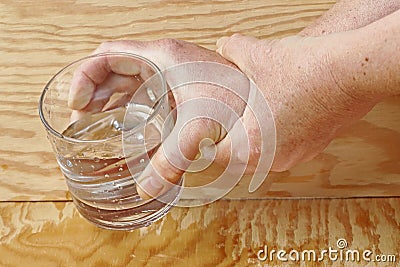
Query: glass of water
x,y
102,153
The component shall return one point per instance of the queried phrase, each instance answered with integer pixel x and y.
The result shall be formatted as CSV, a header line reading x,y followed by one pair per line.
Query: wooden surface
x,y
38,39
40,227
226,233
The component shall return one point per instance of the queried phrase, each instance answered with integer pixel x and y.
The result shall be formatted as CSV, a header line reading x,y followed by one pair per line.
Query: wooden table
x,y
308,207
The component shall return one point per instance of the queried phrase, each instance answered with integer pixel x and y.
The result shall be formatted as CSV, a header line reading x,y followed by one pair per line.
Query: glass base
x,y
141,215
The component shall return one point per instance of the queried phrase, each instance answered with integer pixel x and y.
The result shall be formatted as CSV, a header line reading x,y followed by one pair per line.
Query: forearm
x,y
366,61
349,15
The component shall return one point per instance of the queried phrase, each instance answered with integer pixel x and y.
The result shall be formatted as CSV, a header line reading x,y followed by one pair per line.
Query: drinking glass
x,y
102,152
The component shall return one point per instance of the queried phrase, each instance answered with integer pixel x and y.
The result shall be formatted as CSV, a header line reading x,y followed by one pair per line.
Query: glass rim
x,y
156,108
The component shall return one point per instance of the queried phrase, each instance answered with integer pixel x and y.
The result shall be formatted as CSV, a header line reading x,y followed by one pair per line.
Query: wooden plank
x,y
225,233
38,39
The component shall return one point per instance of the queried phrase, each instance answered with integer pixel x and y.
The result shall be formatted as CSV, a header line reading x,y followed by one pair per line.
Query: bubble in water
x,y
106,175
69,163
141,160
120,169
120,187
96,159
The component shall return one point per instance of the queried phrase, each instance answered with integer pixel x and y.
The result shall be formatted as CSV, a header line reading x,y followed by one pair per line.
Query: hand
x,y
296,76
94,83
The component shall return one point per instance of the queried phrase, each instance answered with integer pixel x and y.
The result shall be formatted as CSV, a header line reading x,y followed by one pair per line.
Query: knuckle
x,y
236,36
232,42
111,46
104,46
170,44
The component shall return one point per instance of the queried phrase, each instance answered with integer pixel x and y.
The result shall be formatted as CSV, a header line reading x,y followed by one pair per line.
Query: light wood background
x,y
40,227
225,233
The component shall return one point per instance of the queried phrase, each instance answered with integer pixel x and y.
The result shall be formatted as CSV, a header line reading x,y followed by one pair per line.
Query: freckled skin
x,y
348,15
315,86
164,53
341,77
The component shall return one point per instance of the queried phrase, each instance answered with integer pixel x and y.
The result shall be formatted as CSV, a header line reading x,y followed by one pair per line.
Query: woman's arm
x,y
349,15
367,60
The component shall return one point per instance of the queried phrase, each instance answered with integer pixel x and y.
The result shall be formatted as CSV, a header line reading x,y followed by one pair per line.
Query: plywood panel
x,y
225,233
38,39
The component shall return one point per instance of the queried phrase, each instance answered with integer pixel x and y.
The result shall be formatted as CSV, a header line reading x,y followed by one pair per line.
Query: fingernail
x,y
80,101
77,115
151,186
81,92
125,67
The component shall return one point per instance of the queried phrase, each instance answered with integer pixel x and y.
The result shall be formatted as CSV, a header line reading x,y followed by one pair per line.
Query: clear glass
x,y
102,153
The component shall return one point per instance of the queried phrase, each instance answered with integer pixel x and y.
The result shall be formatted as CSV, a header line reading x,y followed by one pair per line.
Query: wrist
x,y
350,66
365,61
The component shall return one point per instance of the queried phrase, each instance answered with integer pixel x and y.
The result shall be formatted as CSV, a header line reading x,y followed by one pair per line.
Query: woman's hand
x,y
297,77
95,82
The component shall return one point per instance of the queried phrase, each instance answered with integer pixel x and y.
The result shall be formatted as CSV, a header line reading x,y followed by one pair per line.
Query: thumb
x,y
239,50
173,157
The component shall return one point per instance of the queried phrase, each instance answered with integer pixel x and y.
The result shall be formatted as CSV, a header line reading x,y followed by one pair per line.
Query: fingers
x,y
173,157
82,89
244,159
113,84
238,49
95,71
86,77
101,97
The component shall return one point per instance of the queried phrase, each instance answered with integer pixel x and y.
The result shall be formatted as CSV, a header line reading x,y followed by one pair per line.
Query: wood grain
x,y
225,233
38,39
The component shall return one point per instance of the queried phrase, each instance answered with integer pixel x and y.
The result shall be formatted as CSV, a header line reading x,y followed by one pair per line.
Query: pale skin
x,y
316,83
